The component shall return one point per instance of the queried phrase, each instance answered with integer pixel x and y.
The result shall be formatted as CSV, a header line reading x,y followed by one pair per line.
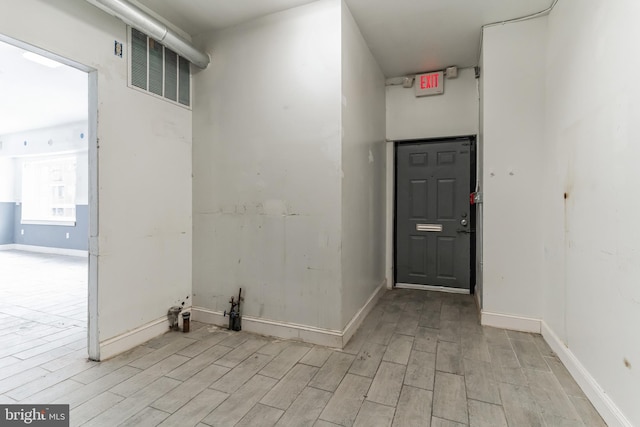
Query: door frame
x,y
93,337
390,252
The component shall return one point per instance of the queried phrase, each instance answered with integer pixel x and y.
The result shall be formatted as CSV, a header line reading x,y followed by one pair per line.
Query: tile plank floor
x,y
419,359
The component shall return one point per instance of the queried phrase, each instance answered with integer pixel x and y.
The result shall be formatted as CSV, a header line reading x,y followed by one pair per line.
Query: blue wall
x,y
6,222
53,236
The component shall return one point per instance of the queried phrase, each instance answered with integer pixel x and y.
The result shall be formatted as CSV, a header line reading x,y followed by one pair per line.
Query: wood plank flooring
x,y
419,359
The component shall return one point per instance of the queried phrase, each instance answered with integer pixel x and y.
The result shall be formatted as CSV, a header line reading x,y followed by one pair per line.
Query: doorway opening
x,y
47,207
434,221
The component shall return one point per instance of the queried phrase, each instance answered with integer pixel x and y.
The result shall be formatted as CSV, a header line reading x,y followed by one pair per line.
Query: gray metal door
x,y
433,221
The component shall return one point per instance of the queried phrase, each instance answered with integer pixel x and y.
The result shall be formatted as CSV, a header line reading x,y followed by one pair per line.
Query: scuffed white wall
x,y
592,296
144,242
513,132
267,168
363,167
559,242
454,113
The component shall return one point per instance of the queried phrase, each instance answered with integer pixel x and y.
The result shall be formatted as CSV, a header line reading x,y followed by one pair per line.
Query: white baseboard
x,y
123,342
508,321
432,288
356,321
600,400
284,330
293,331
7,247
48,250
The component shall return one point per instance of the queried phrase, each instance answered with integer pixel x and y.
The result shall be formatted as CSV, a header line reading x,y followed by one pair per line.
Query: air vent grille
x,y
171,75
159,70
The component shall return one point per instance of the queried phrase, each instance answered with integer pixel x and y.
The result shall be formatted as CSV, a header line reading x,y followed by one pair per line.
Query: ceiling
x,y
405,36
201,16
409,36
35,96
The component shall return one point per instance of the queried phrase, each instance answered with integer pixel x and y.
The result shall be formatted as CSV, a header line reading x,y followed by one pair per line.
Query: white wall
x,y
363,167
454,113
567,136
513,126
267,168
144,241
65,137
592,296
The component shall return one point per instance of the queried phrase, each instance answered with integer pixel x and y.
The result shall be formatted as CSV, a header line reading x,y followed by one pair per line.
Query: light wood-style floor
x,y
420,358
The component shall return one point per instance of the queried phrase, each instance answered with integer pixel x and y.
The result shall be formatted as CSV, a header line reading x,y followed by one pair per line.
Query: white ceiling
x,y
405,36
36,96
201,16
409,36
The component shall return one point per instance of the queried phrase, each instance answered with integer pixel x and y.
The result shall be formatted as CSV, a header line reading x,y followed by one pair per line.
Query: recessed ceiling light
x,y
41,60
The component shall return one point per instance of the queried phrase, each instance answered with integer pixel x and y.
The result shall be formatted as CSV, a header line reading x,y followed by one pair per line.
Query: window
x,y
158,70
49,191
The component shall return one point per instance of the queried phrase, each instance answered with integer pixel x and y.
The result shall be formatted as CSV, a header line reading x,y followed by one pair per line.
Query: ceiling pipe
x,y
142,21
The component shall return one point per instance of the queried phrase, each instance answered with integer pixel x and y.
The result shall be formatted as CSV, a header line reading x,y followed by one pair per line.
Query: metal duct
x,y
142,21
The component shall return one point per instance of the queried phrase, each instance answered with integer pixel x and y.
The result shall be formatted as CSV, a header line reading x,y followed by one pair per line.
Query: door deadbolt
x,y
464,222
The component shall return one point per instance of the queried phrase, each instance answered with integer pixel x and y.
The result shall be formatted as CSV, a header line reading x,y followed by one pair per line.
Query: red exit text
x,y
429,81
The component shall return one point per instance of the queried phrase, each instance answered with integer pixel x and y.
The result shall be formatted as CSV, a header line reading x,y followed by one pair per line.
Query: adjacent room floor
x,y
420,358
43,307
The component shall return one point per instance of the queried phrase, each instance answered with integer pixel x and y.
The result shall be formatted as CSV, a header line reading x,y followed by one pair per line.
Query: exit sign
x,y
429,84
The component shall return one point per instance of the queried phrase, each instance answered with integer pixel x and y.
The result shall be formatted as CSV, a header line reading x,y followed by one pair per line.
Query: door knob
x,y
464,222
